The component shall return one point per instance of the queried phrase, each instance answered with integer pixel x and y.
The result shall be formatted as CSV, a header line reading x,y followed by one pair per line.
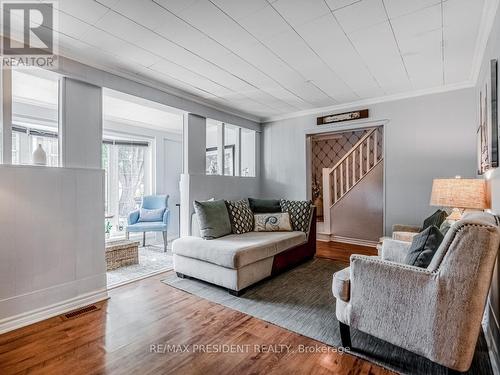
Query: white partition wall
x,y
81,124
52,242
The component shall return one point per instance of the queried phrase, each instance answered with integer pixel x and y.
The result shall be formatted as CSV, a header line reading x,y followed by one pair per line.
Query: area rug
x,y
152,259
301,301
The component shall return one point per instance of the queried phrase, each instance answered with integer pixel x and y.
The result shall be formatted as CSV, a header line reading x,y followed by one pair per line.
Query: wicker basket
x,y
121,253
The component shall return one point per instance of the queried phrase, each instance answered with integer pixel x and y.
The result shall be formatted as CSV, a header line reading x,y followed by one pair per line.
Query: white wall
x,y
493,308
52,251
426,137
80,108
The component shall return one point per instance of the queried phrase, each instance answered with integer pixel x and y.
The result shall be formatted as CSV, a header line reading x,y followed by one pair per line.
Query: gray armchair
x,y
434,312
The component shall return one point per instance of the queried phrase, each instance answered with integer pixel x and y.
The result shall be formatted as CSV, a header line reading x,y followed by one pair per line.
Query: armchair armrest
x,y
166,216
406,228
393,301
394,250
133,217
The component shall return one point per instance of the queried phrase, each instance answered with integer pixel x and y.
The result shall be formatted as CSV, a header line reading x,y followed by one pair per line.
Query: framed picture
x,y
487,131
212,163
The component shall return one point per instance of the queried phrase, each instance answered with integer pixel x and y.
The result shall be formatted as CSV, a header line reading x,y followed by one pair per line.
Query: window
x,y
34,116
247,153
211,146
239,150
126,165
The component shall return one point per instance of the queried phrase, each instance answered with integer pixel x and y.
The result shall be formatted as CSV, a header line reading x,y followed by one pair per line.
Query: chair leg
x,y
143,239
345,335
165,241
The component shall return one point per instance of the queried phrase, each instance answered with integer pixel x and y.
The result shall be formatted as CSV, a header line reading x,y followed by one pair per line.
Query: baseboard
x,y
34,316
492,334
327,237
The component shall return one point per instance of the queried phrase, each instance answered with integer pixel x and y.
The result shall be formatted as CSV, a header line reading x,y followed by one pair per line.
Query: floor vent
x,y
76,313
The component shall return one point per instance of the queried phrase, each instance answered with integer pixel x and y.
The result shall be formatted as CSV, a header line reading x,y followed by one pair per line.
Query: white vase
x,y
39,156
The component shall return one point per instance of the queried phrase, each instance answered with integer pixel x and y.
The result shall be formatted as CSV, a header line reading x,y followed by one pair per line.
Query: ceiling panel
x,y
461,25
396,8
296,13
329,41
275,57
238,9
361,15
378,49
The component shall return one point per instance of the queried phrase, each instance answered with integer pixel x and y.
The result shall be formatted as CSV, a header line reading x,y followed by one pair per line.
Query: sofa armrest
x,y
404,236
166,216
133,217
406,228
383,292
394,250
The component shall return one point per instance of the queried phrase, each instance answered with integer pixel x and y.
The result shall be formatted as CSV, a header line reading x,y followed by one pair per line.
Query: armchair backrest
x,y
151,202
463,268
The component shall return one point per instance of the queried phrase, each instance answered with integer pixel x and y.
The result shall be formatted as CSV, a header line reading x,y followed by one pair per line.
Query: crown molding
x,y
372,101
487,21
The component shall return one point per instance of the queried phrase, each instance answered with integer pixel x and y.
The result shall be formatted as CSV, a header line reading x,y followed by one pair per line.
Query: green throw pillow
x,y
424,246
264,206
213,219
436,219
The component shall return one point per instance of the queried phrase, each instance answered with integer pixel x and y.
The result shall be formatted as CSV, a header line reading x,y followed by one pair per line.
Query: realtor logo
x,y
28,34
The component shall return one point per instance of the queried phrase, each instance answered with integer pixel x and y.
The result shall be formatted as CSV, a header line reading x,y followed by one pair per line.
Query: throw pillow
x,y
240,215
424,246
272,222
436,219
445,227
300,213
213,219
147,215
264,206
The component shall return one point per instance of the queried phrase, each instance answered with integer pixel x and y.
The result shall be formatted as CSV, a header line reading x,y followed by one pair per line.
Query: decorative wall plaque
x,y
346,116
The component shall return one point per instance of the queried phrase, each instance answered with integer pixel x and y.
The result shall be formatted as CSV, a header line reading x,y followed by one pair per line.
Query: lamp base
x,y
456,214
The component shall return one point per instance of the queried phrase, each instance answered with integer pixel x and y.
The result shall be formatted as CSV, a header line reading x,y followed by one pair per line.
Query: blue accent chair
x,y
150,202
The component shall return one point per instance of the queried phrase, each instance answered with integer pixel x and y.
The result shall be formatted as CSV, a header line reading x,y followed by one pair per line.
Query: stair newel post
x,y
327,198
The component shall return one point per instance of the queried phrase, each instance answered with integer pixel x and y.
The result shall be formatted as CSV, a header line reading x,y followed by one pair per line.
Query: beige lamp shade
x,y
460,193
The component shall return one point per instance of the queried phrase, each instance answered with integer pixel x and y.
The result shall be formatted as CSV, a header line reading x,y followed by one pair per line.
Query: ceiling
x,y
131,110
270,58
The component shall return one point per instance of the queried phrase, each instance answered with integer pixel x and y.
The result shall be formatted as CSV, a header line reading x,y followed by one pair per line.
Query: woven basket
x,y
121,253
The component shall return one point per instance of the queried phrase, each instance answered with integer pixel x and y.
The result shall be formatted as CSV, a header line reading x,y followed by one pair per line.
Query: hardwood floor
x,y
342,251
126,334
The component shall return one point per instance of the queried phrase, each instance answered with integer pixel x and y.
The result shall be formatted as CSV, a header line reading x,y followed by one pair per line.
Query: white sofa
x,y
237,261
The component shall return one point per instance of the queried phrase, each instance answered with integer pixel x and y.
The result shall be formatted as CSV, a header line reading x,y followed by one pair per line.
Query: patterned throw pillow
x,y
241,216
300,213
272,222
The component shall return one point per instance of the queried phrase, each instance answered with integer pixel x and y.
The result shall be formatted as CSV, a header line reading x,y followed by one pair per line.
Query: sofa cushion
x,y
264,206
424,247
212,218
240,215
277,222
300,213
341,284
238,250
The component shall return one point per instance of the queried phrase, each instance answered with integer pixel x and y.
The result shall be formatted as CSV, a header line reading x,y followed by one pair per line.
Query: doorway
x,y
347,184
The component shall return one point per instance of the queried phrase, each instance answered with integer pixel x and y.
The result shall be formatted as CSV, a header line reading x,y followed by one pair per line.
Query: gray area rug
x,y
301,301
152,259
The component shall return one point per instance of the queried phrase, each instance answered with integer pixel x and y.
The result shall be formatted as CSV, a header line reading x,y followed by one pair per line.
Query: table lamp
x,y
459,194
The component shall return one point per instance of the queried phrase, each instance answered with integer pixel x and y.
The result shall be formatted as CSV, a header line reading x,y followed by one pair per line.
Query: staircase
x,y
355,165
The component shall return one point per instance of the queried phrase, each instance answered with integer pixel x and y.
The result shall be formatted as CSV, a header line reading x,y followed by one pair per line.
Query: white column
x,y
220,148
80,116
6,130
